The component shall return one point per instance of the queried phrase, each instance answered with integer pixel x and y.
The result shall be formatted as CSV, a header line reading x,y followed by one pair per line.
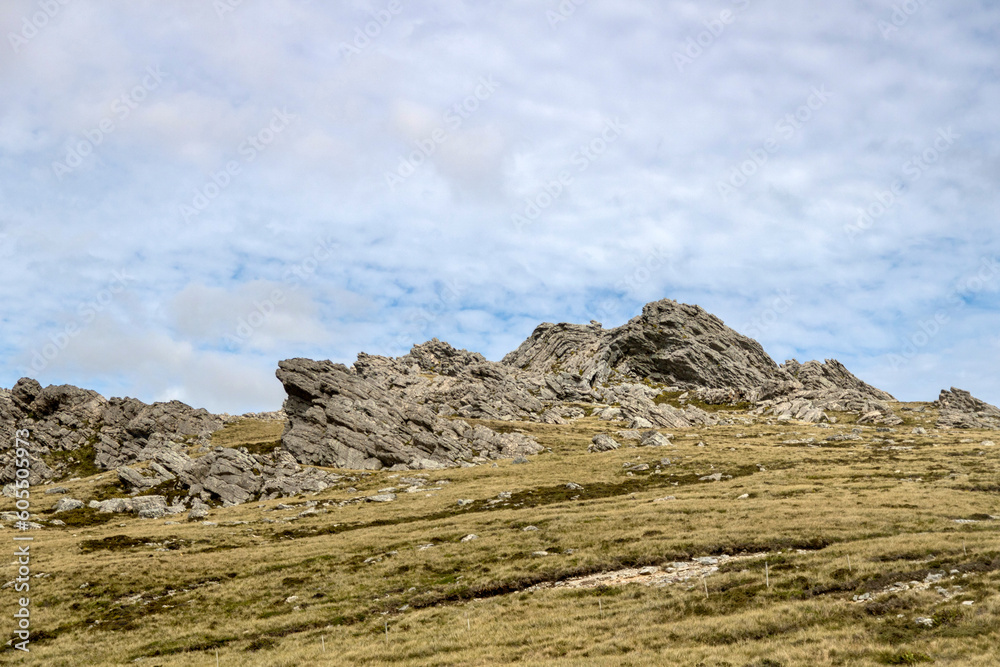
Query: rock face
x,y
369,417
960,409
670,343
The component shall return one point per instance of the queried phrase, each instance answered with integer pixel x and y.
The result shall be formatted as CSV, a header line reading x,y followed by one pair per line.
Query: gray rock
x,y
197,513
655,439
56,489
380,413
960,409
68,504
602,443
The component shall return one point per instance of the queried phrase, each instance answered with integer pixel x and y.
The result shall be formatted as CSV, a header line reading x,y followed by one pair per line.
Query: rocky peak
x,y
670,343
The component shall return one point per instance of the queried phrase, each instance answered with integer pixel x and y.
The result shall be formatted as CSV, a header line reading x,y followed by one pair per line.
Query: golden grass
x,y
174,594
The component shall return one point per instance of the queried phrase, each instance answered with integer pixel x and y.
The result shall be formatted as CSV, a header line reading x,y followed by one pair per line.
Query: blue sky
x,y
190,192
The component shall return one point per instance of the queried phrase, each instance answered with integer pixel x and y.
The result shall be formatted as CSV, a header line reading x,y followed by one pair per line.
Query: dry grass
x,y
174,594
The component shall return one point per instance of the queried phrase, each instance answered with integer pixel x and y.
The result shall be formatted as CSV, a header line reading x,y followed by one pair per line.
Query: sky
x,y
191,192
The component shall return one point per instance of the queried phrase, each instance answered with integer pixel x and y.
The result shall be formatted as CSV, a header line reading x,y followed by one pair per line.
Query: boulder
x,y
602,443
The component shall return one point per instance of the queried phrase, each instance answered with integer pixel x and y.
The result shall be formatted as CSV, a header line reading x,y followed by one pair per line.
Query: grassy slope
x,y
173,594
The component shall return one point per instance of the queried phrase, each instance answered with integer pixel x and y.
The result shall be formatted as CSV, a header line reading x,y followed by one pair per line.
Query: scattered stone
x,y
924,621
469,538
463,502
573,486
56,489
381,498
528,529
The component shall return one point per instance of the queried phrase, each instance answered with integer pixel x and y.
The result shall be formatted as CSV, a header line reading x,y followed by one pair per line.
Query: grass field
x,y
351,582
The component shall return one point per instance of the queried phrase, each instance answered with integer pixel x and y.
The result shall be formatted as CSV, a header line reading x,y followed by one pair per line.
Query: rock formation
x,y
669,343
385,412
960,409
146,445
673,366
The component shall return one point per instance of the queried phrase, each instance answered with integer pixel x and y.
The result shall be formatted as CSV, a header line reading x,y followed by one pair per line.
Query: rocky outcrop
x,y
831,377
146,445
366,417
806,392
669,343
960,409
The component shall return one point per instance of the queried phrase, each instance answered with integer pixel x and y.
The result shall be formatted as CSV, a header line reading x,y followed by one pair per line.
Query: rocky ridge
x,y
674,366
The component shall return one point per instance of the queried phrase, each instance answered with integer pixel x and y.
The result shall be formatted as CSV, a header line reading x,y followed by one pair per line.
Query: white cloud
x,y
393,252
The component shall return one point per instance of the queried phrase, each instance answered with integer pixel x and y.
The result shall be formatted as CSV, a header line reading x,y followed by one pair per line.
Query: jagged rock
x,y
602,443
831,375
197,513
670,343
134,479
360,418
807,391
960,409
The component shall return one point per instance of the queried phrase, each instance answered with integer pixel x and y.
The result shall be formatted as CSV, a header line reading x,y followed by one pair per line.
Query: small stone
x,y
519,460
463,502
924,621
528,529
469,538
743,497
573,486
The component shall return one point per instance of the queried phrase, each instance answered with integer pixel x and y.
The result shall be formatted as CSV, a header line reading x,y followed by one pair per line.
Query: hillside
x,y
591,499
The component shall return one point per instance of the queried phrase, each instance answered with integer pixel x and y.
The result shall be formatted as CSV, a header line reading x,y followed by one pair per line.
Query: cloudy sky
x,y
190,192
